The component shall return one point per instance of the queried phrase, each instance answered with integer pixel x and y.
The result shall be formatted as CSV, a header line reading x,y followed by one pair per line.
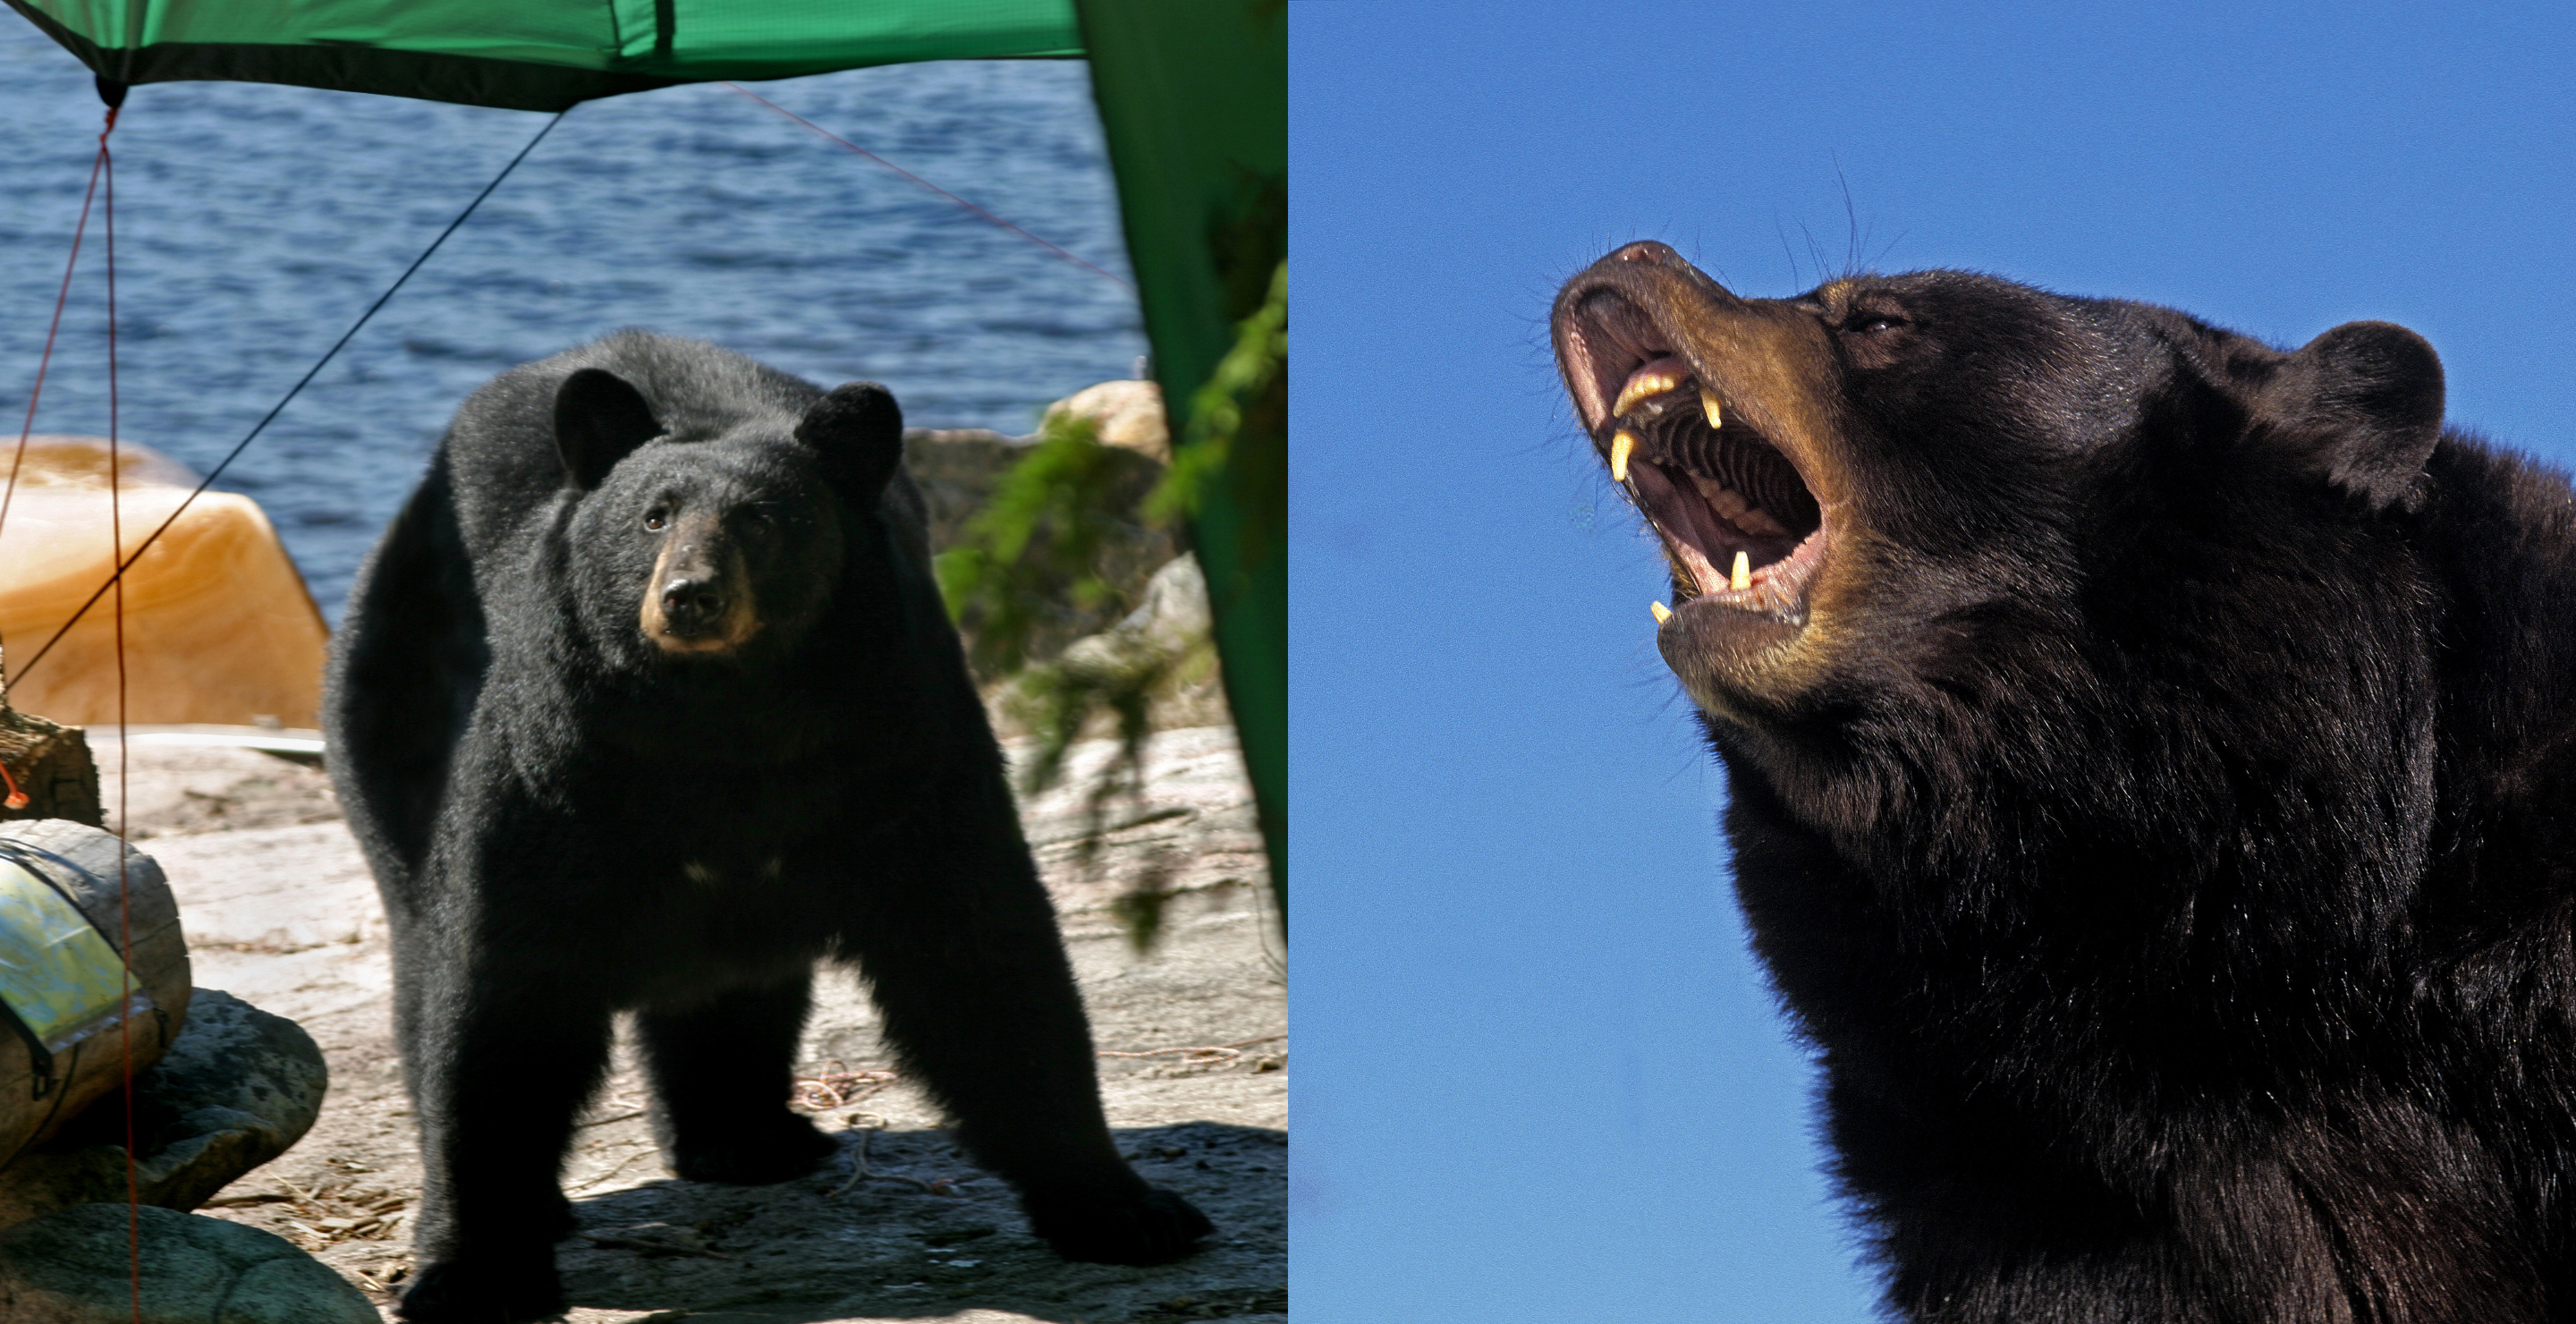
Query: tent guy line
x,y
118,575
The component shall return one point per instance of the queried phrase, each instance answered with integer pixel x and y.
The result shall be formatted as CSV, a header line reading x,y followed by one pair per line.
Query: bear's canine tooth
x,y
1708,401
1662,612
1645,385
1621,444
1741,577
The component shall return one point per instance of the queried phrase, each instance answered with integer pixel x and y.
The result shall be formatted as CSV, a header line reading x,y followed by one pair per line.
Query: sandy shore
x,y
280,911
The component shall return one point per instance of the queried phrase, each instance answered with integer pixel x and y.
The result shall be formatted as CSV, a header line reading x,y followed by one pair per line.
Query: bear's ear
x,y
2362,404
599,418
858,432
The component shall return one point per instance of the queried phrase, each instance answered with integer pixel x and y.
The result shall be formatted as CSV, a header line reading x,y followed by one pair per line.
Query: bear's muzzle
x,y
699,599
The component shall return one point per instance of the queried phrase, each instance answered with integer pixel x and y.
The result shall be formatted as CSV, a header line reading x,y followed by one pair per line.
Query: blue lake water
x,y
255,222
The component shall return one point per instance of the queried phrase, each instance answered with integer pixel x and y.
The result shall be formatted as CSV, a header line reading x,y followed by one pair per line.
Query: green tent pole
x,y
1193,97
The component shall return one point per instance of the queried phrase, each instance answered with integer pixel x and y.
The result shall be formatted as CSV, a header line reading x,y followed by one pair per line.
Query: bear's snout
x,y
699,598
692,604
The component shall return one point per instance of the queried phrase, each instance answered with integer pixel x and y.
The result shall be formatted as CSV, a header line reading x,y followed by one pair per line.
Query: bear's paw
x,y
513,1289
1148,1225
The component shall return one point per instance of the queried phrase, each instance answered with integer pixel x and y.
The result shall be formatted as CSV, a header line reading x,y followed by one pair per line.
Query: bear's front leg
x,y
959,945
501,1056
722,1070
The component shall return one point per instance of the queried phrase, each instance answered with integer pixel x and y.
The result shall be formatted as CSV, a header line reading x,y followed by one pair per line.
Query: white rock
x,y
1128,414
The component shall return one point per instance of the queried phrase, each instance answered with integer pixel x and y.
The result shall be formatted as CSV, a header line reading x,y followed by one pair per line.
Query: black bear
x,y
2149,784
647,701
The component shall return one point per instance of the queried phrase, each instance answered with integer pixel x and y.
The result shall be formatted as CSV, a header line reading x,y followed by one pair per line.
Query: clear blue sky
x,y
1539,1078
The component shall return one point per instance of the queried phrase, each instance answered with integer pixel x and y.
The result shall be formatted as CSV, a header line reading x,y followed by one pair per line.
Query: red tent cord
x,y
124,854
102,170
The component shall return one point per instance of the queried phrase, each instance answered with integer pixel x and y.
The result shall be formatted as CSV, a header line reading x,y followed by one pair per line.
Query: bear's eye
x,y
655,518
1870,324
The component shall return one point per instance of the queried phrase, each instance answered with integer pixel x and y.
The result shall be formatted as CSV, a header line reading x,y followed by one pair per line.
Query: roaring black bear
x,y
647,701
2150,784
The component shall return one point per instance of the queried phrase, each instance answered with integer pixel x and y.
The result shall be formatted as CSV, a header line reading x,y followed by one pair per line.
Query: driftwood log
x,y
51,765
59,1051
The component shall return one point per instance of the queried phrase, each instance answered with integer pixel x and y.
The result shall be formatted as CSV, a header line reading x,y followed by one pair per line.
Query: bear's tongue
x,y
1728,504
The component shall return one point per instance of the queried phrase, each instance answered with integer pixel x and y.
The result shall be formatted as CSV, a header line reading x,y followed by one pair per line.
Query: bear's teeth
x,y
1708,401
1656,378
1741,577
1744,514
1662,612
1719,495
1621,445
1758,522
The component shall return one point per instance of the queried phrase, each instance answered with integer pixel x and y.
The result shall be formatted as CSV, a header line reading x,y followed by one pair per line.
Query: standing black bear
x,y
2150,783
647,701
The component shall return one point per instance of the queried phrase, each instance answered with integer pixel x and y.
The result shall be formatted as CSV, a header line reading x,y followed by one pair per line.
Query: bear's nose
x,y
1648,251
692,605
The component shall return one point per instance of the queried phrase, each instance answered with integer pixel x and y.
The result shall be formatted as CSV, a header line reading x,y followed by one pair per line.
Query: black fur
x,y
565,821
2169,859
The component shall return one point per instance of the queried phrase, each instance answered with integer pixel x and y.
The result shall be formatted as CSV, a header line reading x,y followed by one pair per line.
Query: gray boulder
x,y
237,1088
75,1266
957,472
1173,618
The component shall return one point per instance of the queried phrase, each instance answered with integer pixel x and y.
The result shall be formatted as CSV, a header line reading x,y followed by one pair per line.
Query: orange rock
x,y
218,624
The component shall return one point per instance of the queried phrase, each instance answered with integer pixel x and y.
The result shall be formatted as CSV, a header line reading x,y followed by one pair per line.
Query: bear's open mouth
x,y
1737,518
